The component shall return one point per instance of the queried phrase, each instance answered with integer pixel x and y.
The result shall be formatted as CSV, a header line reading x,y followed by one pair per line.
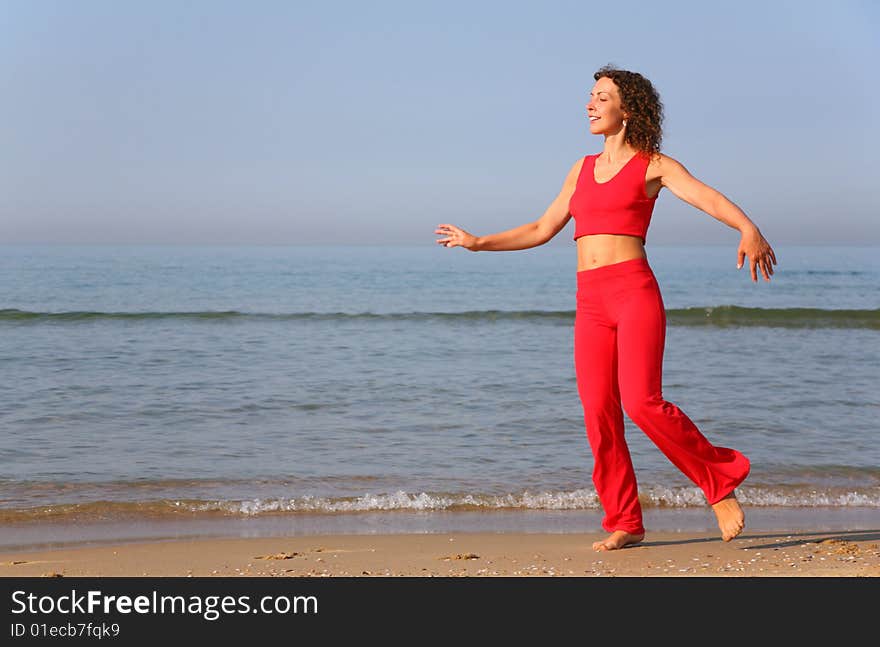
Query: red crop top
x,y
618,206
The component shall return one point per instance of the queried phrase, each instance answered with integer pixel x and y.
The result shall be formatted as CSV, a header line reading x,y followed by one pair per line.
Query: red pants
x,y
619,334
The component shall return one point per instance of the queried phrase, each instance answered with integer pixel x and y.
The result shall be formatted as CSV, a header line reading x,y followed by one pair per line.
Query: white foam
x,y
400,500
582,499
812,498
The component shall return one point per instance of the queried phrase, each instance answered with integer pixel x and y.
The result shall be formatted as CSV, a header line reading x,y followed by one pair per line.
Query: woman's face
x,y
604,111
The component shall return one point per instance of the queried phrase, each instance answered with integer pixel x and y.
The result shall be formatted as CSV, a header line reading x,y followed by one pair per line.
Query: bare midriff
x,y
596,250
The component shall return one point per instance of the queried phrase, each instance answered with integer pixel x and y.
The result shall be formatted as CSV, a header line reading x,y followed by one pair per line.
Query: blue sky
x,y
369,123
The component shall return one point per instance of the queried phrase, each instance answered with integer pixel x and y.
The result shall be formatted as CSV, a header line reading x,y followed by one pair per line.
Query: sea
x,y
167,391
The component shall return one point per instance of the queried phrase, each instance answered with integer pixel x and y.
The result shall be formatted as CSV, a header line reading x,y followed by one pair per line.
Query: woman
x,y
620,321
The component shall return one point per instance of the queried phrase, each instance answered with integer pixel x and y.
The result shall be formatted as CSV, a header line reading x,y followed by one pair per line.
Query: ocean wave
x,y
582,499
721,316
730,315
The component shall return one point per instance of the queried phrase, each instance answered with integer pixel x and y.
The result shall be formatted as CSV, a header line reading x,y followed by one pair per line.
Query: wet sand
x,y
848,553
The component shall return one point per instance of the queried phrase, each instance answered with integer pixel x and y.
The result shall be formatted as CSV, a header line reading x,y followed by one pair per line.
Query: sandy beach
x,y
669,554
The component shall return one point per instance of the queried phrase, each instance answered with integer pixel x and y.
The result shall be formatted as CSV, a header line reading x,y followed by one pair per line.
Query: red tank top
x,y
618,206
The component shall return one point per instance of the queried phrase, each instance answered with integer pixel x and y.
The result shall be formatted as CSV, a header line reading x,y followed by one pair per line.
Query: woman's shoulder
x,y
661,163
660,159
579,163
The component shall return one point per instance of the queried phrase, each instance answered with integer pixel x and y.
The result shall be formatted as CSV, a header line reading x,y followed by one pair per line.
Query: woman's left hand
x,y
760,254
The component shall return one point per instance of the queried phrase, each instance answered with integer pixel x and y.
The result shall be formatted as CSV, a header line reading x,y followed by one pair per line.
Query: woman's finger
x,y
766,263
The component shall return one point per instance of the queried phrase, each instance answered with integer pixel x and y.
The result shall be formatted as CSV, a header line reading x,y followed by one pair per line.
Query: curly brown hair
x,y
644,130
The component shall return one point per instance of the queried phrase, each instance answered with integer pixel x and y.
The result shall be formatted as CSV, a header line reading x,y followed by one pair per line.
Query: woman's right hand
x,y
455,236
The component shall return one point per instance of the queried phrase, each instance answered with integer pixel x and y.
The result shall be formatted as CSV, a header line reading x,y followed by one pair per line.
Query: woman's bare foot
x,y
731,519
617,539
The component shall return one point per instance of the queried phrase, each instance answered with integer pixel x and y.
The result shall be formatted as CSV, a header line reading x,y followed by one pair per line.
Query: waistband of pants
x,y
614,269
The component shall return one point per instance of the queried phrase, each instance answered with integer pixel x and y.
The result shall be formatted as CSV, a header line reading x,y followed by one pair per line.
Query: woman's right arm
x,y
525,236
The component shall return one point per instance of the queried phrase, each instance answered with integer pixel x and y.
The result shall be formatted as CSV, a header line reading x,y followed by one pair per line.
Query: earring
x,y
624,123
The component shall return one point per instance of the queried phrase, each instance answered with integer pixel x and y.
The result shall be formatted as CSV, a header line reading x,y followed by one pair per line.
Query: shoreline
x,y
664,554
68,533
776,542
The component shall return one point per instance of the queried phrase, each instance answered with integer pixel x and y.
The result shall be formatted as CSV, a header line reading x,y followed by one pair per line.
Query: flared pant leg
x,y
596,367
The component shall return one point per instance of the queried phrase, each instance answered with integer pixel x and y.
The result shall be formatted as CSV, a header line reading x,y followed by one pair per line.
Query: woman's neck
x,y
616,149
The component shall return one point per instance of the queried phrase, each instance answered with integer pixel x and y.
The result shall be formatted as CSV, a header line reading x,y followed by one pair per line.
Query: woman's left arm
x,y
675,177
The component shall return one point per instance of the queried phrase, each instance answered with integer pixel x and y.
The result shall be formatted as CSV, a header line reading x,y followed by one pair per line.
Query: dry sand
x,y
815,554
